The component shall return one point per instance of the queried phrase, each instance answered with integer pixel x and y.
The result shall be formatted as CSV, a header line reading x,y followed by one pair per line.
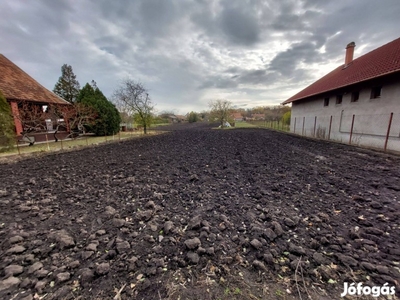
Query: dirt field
x,y
200,214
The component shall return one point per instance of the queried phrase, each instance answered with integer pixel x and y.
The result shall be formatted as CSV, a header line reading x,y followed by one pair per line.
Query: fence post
x,y
304,120
47,142
388,131
351,130
315,124
294,125
19,150
330,126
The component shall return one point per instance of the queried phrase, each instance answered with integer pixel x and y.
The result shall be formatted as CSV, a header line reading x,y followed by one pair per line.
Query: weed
x,y
279,293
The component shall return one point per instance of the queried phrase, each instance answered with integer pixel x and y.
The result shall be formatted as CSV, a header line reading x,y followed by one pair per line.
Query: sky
x,y
189,52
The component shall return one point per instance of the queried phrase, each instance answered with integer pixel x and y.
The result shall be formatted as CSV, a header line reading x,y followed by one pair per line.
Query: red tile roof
x,y
15,84
379,62
237,115
258,115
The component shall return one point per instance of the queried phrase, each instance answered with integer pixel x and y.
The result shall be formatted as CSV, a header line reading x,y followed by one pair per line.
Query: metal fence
x,y
377,131
276,124
46,144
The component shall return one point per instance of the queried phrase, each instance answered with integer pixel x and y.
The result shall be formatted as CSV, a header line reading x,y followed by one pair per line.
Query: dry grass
x,y
70,144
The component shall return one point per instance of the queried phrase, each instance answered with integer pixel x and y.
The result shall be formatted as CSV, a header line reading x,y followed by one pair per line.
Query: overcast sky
x,y
188,52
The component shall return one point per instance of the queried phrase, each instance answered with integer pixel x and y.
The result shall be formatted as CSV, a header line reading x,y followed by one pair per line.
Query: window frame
x,y
376,92
339,99
353,98
326,101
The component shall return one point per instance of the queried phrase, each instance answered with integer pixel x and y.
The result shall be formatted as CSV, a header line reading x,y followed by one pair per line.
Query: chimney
x,y
349,53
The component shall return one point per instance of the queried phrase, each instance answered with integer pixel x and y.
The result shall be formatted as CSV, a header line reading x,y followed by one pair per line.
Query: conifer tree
x,y
108,118
67,87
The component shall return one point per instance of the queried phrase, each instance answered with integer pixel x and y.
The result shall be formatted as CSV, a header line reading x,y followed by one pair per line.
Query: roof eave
x,y
338,87
62,101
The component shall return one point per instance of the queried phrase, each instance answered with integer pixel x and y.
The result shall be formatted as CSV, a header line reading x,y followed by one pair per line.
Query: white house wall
x,y
371,117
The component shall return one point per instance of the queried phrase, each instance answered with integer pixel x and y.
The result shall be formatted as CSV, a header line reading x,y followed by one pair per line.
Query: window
x,y
355,96
326,101
376,92
339,99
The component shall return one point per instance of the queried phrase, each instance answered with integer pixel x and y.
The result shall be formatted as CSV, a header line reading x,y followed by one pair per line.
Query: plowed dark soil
x,y
198,213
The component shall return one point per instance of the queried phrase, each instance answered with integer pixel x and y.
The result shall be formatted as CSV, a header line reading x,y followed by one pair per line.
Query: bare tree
x,y
76,117
220,110
33,116
134,99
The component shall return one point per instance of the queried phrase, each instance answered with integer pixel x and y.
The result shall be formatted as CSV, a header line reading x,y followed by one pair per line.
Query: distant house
x,y
19,89
172,119
176,119
358,102
181,118
237,116
258,116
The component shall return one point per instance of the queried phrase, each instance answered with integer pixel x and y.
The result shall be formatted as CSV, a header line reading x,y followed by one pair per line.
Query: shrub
x,y
108,118
7,132
286,118
193,117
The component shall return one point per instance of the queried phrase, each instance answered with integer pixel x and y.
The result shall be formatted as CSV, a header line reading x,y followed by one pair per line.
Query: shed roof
x,y
379,62
237,115
15,84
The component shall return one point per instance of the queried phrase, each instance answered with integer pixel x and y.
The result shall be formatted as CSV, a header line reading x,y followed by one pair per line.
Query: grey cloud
x,y
233,70
312,3
219,82
286,62
300,75
240,28
233,23
287,18
157,16
111,44
121,11
204,53
257,77
239,76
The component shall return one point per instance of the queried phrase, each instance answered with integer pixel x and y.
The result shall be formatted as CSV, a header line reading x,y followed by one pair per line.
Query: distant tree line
x,y
221,111
269,113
